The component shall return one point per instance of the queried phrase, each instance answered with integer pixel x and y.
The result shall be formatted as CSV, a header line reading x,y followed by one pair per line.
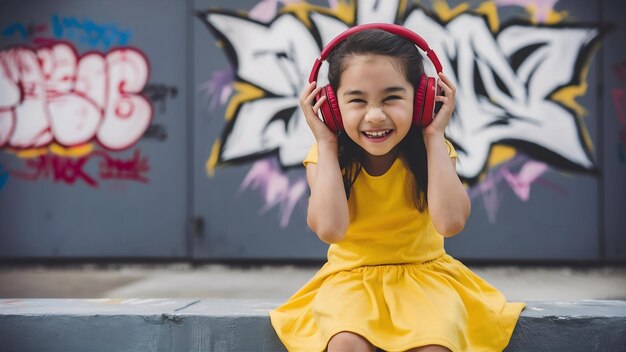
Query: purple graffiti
x,y
543,6
266,10
530,173
275,187
491,197
219,87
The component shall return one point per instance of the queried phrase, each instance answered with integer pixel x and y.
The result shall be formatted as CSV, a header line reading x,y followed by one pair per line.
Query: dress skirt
x,y
398,307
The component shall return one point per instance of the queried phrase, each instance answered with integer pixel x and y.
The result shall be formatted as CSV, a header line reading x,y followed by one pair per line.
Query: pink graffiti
x,y
53,95
543,6
520,183
70,170
530,173
265,10
275,188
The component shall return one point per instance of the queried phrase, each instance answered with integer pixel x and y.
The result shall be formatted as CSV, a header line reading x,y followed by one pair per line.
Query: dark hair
x,y
381,42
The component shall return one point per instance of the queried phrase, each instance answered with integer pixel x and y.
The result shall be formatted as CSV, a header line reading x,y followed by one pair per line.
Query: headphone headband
x,y
425,91
389,27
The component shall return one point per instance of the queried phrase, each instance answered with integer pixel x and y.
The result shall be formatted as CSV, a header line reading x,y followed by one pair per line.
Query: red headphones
x,y
423,111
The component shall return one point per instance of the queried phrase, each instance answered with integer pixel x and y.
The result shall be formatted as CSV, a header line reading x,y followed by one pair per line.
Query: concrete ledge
x,y
99,325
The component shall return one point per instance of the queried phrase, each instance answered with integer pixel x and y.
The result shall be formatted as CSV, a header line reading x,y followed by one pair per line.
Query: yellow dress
x,y
391,281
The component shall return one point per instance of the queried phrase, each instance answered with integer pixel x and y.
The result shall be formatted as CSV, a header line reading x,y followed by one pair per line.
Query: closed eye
x,y
392,97
358,101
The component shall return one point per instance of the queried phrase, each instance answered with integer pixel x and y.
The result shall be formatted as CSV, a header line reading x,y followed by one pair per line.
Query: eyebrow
x,y
386,91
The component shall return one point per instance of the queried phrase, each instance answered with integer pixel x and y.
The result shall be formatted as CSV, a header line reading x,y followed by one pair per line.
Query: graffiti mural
x,y
59,109
70,170
52,95
87,32
276,188
84,32
517,84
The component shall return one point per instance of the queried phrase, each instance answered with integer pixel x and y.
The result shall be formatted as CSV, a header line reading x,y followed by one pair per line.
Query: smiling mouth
x,y
377,134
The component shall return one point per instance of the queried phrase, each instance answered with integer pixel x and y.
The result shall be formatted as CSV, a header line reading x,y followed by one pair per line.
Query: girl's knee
x,y
348,342
429,348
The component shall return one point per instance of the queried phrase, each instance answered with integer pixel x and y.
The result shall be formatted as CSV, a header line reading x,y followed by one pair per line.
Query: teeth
x,y
377,134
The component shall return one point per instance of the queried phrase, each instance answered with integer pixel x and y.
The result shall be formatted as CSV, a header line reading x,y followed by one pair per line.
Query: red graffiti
x,y
620,71
132,170
619,102
70,170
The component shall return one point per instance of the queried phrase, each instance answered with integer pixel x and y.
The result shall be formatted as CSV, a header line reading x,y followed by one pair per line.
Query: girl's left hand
x,y
442,117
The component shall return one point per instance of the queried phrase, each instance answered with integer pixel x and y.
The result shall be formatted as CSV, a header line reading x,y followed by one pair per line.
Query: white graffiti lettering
x,y
506,83
53,95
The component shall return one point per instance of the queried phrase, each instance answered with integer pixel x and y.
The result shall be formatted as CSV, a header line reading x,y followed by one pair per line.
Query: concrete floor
x,y
279,282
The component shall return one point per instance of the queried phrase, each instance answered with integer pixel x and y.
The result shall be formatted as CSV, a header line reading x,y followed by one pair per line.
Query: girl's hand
x,y
440,121
321,132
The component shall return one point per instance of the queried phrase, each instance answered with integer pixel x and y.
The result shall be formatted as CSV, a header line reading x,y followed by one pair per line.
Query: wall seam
x,y
190,115
600,138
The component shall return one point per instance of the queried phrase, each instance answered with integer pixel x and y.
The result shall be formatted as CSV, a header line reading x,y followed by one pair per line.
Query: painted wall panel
x,y
93,140
527,206
614,133
252,205
213,171
526,124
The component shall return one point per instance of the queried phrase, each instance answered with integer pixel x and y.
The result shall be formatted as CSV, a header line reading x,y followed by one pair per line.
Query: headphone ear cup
x,y
418,105
330,110
429,101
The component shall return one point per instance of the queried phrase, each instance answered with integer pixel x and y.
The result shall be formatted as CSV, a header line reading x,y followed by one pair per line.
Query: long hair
x,y
381,42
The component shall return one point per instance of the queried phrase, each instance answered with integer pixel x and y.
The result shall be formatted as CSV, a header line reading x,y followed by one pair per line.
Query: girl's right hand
x,y
321,132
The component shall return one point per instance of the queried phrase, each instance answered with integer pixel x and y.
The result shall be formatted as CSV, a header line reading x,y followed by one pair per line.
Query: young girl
x,y
384,194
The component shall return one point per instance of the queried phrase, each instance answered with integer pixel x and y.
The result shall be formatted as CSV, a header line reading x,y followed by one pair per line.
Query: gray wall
x,y
169,129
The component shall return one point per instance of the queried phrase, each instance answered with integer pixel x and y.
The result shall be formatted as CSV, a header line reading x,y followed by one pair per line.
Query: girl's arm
x,y
327,213
448,201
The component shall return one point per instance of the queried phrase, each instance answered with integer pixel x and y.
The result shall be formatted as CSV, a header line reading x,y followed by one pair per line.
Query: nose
x,y
375,115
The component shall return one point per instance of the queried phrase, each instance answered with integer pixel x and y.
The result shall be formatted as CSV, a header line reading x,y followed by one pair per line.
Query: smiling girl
x,y
384,195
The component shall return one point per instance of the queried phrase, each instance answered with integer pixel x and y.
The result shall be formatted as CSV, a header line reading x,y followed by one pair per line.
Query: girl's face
x,y
376,103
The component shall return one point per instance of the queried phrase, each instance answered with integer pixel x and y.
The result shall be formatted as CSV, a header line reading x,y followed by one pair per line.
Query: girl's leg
x,y
346,341
429,348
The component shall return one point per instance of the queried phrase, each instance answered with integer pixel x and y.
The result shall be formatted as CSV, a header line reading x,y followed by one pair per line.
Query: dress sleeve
x,y
311,156
451,150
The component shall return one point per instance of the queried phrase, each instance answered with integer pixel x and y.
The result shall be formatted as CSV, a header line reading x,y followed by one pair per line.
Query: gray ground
x,y
279,282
